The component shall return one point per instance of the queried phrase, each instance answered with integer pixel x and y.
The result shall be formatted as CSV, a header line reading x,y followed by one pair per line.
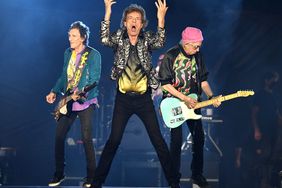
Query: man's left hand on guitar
x,y
75,96
217,103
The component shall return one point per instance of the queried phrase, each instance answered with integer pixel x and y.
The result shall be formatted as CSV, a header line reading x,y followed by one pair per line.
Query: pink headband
x,y
192,34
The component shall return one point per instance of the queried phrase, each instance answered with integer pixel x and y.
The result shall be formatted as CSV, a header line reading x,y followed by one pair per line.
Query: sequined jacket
x,y
119,41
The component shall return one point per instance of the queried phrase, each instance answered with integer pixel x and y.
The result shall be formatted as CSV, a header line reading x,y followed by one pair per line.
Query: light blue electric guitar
x,y
175,112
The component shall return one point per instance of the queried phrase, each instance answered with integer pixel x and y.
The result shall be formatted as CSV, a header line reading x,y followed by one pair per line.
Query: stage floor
x,y
69,187
185,183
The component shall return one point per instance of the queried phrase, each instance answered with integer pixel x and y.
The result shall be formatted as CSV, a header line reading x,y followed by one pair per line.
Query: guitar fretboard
x,y
221,99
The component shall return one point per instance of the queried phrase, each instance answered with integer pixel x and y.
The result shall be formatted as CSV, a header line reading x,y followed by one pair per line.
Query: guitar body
x,y
175,112
63,108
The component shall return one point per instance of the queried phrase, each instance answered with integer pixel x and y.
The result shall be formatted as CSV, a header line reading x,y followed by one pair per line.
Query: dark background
x,y
242,40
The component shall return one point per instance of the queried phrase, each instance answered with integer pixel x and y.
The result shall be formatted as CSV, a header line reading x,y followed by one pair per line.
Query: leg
x,y
86,120
62,129
145,110
198,138
121,115
175,147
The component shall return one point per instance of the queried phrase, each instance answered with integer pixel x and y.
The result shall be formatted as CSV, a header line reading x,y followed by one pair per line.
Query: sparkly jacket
x,y
119,41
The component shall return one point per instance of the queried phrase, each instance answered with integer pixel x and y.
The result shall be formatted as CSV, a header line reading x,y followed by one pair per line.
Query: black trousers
x,y
125,107
63,127
198,139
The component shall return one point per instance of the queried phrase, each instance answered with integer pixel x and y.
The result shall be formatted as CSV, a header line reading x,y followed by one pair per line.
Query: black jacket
x,y
167,74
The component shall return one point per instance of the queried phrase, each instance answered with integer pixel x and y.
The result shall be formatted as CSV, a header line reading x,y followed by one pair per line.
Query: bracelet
x,y
210,97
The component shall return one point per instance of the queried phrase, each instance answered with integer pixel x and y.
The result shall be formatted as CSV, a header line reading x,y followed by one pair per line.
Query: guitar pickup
x,y
180,119
176,111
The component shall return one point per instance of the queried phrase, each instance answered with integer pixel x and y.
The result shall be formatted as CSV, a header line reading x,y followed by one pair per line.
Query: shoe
x,y
200,180
57,180
175,185
96,185
87,182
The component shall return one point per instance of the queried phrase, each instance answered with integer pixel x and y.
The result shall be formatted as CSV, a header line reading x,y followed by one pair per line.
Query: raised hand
x,y
162,8
108,9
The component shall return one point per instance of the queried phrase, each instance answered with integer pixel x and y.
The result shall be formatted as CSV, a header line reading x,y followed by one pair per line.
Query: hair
x,y
83,30
134,8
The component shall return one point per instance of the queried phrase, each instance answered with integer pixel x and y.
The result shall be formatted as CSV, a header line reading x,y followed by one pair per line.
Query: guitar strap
x,y
198,80
78,72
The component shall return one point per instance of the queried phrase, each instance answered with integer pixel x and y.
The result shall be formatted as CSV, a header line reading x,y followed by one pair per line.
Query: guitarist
x,y
181,73
82,67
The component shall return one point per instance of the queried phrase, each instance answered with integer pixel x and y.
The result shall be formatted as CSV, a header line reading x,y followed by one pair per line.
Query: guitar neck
x,y
68,98
83,91
211,101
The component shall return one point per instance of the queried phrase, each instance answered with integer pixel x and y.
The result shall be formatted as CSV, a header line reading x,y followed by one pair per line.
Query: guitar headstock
x,y
245,93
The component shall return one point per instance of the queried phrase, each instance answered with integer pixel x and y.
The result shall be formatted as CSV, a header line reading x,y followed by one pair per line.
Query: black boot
x,y
200,180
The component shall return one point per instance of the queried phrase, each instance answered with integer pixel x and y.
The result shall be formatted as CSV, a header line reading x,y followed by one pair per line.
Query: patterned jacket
x,y
167,74
119,41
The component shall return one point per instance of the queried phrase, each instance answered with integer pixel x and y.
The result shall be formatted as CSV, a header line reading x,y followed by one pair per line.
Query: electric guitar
x,y
175,112
65,104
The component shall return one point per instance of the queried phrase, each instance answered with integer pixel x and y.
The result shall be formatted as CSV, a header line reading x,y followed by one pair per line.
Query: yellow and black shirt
x,y
133,79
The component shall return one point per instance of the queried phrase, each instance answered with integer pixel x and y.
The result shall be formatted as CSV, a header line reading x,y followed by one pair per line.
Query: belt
x,y
132,93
